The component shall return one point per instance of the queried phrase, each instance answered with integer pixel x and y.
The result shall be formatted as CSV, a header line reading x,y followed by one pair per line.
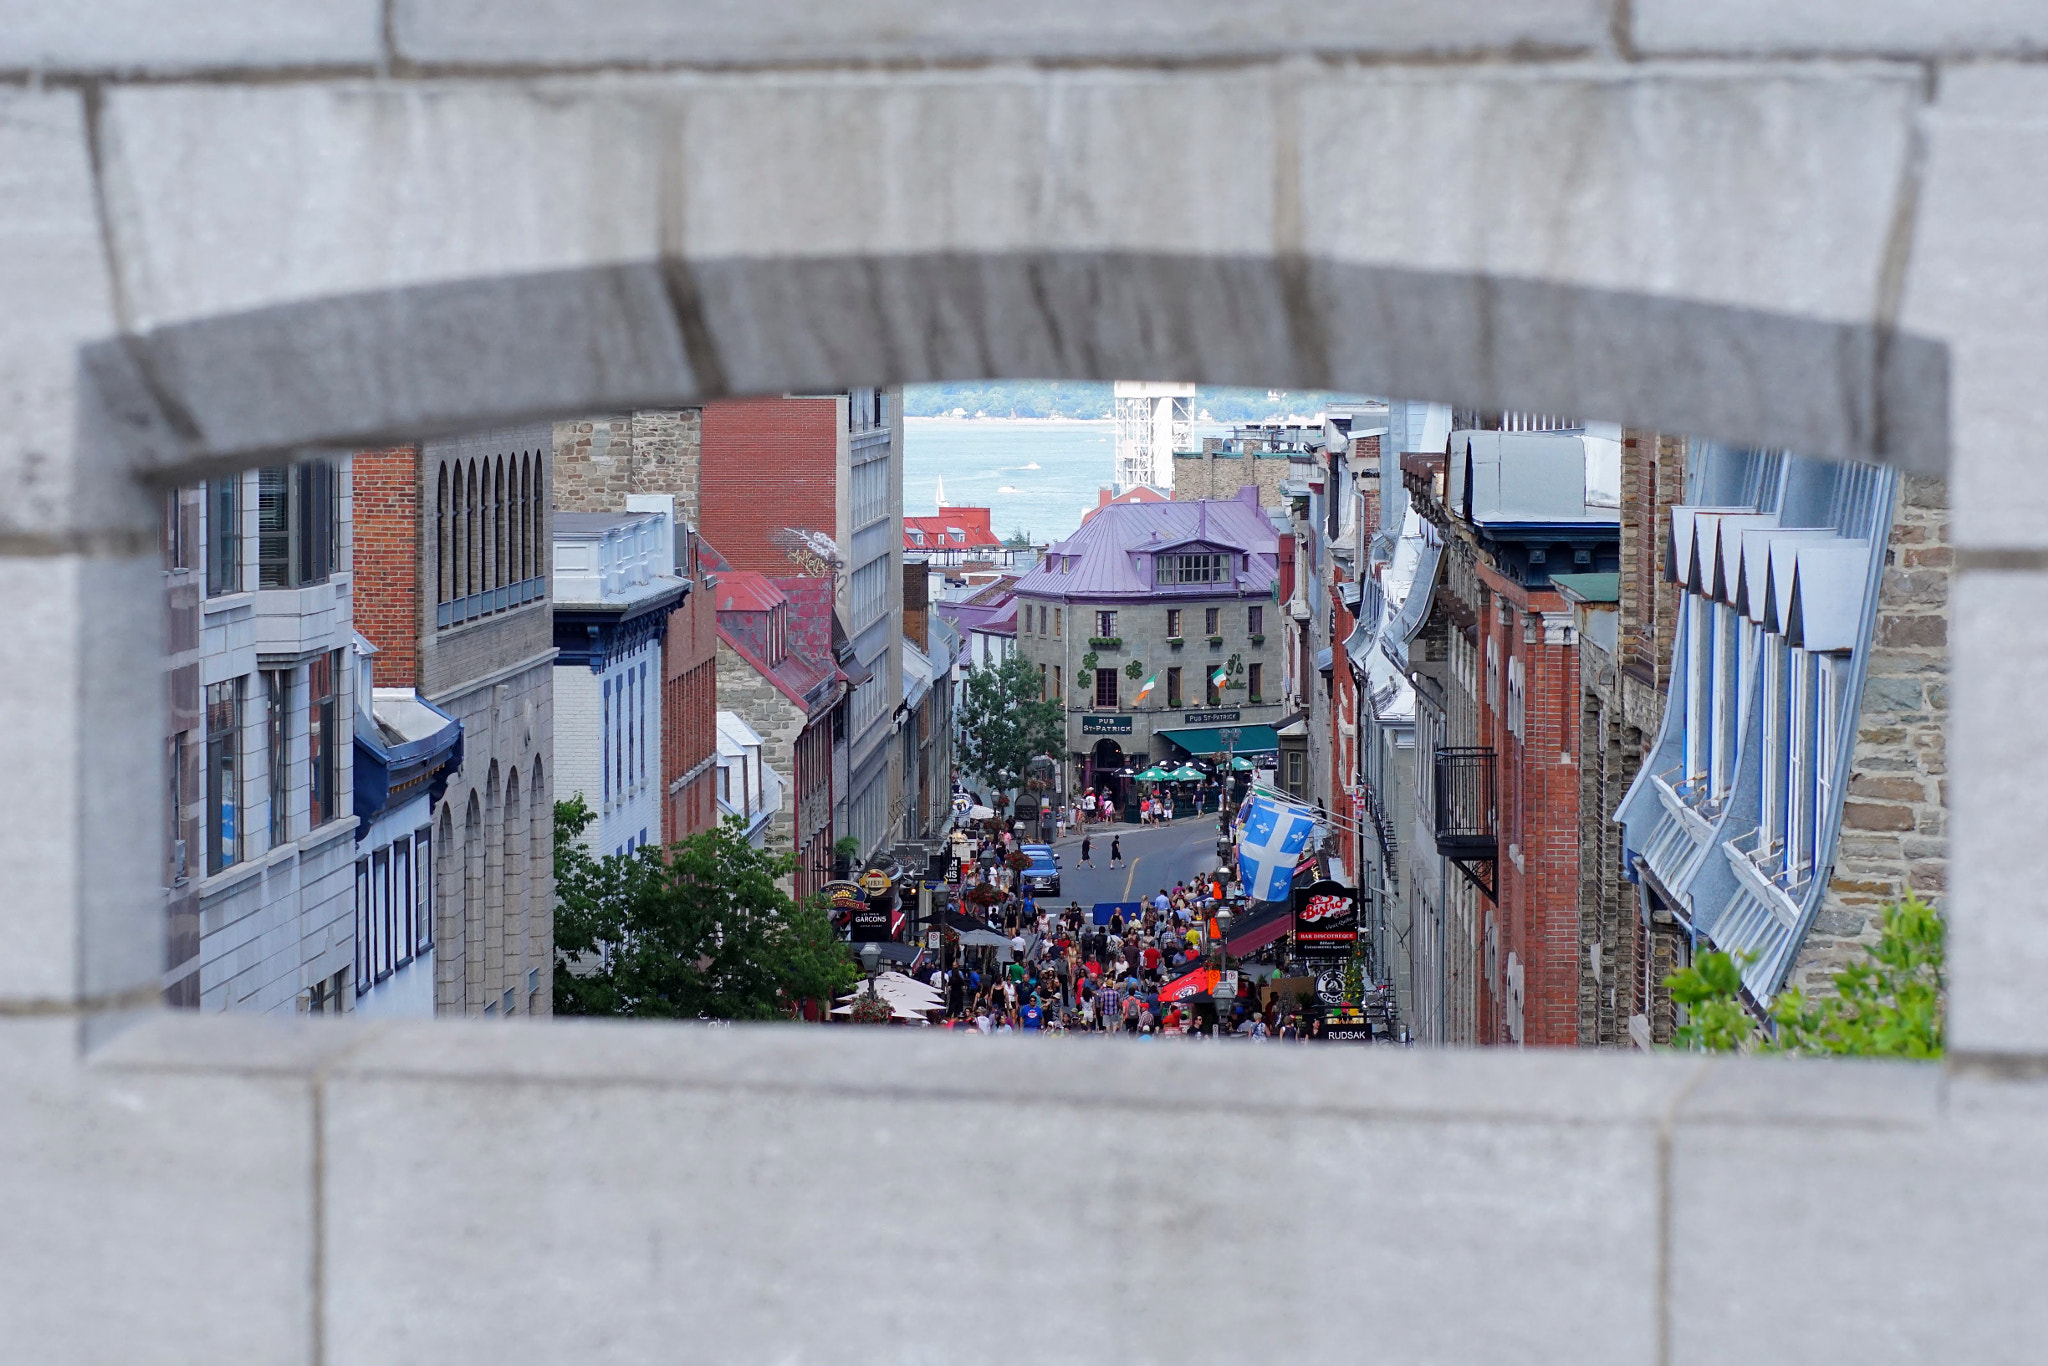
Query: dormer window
x,y
1174,569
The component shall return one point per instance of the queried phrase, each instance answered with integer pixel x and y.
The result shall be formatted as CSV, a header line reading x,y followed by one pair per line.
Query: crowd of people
x,y
1064,975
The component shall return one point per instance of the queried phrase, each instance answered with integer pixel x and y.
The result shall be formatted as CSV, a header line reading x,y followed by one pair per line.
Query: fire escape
x,y
1466,820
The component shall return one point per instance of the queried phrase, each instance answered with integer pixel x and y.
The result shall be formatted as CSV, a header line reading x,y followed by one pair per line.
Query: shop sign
x,y
1208,718
1326,921
871,925
1108,725
1348,1031
874,882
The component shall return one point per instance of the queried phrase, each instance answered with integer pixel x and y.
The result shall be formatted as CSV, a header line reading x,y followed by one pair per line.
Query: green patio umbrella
x,y
1154,774
1240,764
1188,773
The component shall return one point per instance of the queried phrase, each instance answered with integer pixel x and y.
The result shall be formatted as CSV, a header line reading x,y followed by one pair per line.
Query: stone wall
x,y
1213,474
1895,816
599,460
778,721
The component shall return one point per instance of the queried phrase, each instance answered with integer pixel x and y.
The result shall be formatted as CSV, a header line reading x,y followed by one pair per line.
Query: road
x,y
1154,857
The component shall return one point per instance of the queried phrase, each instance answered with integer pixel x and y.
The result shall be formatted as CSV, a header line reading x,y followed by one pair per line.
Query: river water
x,y
1036,476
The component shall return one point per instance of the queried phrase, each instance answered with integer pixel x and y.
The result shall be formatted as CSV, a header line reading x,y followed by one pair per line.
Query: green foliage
x,y
698,930
1889,1005
1003,723
1019,540
846,846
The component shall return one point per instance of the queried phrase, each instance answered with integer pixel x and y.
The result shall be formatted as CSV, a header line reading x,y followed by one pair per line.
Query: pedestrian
x,y
1032,1016
1087,848
1116,851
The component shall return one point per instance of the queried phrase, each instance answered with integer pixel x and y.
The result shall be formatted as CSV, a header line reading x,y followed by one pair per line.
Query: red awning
x,y
1200,980
1253,932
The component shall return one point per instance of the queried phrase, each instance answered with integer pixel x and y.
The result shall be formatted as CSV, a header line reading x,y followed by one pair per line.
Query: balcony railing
x,y
494,600
1466,823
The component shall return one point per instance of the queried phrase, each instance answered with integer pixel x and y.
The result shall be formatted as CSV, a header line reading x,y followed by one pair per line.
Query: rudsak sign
x,y
1105,725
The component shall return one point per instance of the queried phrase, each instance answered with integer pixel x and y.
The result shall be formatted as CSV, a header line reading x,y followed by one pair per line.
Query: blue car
x,y
1042,874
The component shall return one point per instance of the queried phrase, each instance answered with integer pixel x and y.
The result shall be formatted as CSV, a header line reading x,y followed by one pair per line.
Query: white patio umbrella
x,y
980,813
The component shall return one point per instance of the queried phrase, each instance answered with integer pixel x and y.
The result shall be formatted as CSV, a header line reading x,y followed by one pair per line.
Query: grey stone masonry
x,y
600,460
743,691
1895,814
1142,639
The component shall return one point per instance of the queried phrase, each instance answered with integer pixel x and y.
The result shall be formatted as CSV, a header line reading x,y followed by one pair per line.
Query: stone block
x,y
54,278
1838,1204
1977,281
708,1186
1910,28
1998,912
636,31
224,198
1558,260
152,1216
81,834
136,35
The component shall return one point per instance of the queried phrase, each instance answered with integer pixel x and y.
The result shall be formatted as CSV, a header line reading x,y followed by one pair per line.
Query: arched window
x,y
498,576
472,558
441,536
525,502
543,553
458,540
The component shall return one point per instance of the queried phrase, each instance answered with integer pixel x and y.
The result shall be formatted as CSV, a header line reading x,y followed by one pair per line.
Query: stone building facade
x,y
259,587
1099,618
460,611
1894,836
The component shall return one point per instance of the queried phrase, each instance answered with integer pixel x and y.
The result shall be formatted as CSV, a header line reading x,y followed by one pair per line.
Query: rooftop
x,y
1111,555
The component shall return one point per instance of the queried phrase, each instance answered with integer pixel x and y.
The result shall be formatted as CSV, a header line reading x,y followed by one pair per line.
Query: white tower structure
x,y
1152,422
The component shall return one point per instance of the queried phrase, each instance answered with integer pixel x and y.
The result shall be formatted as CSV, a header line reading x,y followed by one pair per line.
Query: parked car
x,y
1042,874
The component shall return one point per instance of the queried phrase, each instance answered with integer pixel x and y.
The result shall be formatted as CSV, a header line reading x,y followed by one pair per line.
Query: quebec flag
x,y
1268,845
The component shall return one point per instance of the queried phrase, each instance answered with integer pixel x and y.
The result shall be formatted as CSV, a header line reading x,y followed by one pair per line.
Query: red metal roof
x,y
953,529
745,590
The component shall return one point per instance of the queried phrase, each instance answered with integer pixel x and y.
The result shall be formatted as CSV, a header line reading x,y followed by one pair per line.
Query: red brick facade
x,y
768,464
689,711
386,487
1528,709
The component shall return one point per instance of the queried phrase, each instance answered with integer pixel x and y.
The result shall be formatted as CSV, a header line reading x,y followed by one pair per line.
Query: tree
x,y
1004,723
696,930
1889,1005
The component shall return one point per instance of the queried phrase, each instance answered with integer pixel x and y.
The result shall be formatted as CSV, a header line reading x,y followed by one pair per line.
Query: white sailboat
x,y
942,493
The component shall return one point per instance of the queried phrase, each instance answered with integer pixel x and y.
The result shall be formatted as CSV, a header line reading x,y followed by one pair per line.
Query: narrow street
x,y
1154,857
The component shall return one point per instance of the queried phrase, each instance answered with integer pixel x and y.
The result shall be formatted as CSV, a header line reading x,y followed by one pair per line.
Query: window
x,y
1799,769
177,552
1058,692
404,909
223,536
1171,569
1257,691
380,914
1105,689
1771,798
629,775
1173,693
1721,754
870,593
277,691
1055,623
323,737
869,496
223,774
1699,656
1173,623
1105,623
365,946
605,730
1212,621
1041,682
174,837
296,525
1255,620
1213,688
640,720
423,889
1297,764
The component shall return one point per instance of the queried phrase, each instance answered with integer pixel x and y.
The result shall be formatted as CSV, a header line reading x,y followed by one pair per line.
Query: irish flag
x,y
1221,676
1147,688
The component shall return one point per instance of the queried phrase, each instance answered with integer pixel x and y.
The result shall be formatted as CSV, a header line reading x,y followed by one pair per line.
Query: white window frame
x,y
1773,769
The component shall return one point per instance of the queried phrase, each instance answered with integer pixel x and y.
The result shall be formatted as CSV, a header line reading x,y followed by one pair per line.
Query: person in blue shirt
x,y
1032,1017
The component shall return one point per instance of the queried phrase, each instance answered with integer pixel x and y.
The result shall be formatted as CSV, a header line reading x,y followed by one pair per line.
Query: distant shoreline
x,y
1035,421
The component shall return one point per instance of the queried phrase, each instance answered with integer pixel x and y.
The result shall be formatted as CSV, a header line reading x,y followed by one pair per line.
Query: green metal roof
x,y
1205,739
1588,587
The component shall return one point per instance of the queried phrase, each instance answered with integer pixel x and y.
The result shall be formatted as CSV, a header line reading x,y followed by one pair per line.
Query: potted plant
x,y
1175,642
843,851
1216,642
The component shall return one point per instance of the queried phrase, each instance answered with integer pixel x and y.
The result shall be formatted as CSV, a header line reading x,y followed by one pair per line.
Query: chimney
x,y
917,604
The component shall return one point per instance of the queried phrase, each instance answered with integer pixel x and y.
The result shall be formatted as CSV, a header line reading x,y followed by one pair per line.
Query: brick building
x,y
1501,785
452,589
793,485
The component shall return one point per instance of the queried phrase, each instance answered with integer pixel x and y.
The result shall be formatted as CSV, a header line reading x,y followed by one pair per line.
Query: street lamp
x,y
871,958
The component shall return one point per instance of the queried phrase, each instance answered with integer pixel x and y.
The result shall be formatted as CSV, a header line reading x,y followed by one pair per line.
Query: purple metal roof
x,y
1111,555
